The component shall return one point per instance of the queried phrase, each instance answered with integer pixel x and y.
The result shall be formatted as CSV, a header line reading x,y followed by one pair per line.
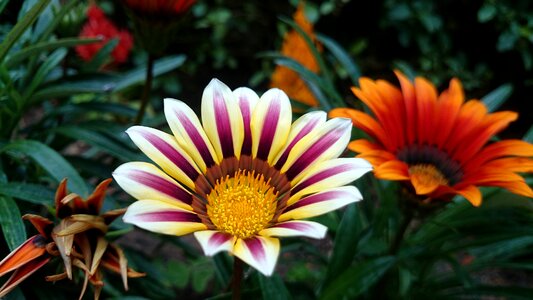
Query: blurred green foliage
x,y
62,117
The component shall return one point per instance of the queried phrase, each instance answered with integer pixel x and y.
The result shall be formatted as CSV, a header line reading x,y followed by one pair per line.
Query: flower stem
x,y
237,278
147,87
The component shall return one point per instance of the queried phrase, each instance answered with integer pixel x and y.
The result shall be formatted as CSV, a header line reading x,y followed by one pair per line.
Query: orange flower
x,y
294,46
437,144
79,239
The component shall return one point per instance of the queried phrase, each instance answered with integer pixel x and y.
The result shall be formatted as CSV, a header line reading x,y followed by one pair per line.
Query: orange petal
x,y
95,200
512,164
22,273
515,187
472,194
448,107
42,224
500,149
363,145
422,184
31,249
426,100
61,193
392,170
409,99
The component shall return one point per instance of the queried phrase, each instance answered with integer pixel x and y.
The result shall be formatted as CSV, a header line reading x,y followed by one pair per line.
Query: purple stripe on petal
x,y
217,239
246,117
223,125
314,152
321,176
256,249
168,216
317,198
196,138
305,130
174,156
269,129
161,185
295,226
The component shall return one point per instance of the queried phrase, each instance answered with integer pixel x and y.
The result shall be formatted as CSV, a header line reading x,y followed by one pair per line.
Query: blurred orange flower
x,y
99,26
437,144
294,46
79,239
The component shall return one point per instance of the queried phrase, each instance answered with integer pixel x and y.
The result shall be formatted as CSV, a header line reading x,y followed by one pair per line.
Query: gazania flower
x,y
437,144
294,46
79,239
242,177
99,26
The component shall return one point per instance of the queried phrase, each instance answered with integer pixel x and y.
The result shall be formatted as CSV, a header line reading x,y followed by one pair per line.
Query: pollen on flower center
x,y
243,204
429,174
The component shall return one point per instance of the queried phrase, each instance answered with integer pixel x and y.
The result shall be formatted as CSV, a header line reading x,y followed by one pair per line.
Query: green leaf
x,y
343,57
44,70
273,288
3,4
21,26
102,56
51,161
100,141
497,97
358,279
161,66
35,50
67,87
29,192
346,239
11,221
528,137
57,18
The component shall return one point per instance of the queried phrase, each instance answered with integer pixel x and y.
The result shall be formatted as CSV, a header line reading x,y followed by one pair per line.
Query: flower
x,y
242,177
79,239
160,7
99,26
157,23
437,144
295,47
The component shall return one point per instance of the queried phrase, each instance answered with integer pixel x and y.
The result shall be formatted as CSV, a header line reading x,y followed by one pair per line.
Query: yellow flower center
x,y
242,205
428,175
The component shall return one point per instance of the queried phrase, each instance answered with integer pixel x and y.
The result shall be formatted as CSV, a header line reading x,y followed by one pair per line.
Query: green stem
x,y
237,278
147,87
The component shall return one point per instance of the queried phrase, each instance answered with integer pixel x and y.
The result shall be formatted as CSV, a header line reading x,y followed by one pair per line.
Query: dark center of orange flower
x,y
437,163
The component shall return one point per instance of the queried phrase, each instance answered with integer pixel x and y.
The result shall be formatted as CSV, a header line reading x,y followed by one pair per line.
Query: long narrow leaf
x,y
273,288
342,56
358,279
497,97
11,221
161,66
21,27
35,50
51,161
29,192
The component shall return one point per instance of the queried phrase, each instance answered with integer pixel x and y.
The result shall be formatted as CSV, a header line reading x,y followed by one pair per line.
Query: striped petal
x,y
326,142
222,120
144,181
259,252
330,174
163,149
321,203
213,241
161,217
296,228
299,129
189,133
247,100
271,123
